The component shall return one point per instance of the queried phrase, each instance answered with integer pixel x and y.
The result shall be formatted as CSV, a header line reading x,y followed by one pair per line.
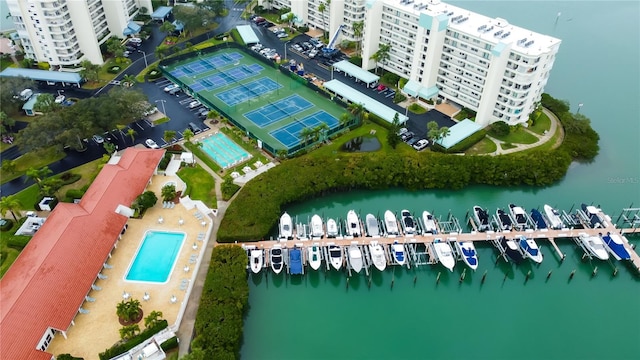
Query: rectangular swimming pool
x,y
156,256
224,151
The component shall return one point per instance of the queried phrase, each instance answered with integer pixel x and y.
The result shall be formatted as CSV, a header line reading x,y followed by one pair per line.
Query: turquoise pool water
x,y
155,257
224,151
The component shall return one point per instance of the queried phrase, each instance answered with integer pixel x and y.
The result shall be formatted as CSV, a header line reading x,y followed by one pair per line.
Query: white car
x,y
421,144
313,53
194,104
170,87
151,144
59,99
98,139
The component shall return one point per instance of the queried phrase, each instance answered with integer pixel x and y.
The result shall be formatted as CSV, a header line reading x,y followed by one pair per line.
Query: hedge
x,y
236,36
225,298
73,194
7,225
18,242
170,344
122,347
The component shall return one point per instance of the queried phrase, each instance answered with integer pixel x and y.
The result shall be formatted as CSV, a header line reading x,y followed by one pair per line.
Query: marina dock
x,y
418,245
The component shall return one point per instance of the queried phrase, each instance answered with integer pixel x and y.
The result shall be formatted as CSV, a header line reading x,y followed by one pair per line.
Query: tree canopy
x,y
192,18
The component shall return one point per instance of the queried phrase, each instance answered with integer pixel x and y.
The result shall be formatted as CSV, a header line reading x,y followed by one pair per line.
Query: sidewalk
x,y
541,138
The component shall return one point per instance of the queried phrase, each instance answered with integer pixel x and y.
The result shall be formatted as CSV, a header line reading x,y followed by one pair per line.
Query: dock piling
x,y
572,274
595,271
438,277
484,276
549,274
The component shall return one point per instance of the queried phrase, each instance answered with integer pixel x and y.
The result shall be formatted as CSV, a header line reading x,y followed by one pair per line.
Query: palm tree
x,y
128,80
444,132
152,319
89,70
167,27
358,28
128,310
382,55
188,135
169,135
345,119
132,134
39,174
11,204
322,7
168,192
306,135
129,331
357,110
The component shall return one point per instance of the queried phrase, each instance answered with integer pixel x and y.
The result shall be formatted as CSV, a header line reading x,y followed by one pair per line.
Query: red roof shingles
x,y
49,280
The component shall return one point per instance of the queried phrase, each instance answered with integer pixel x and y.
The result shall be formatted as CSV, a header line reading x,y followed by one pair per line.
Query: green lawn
x,y
34,159
507,146
541,124
484,146
200,185
519,136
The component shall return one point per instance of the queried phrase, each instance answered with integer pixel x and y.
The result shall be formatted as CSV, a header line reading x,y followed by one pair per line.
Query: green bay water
x,y
319,316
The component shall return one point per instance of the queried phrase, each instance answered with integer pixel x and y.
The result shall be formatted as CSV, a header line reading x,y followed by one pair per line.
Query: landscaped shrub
x,y
228,189
499,128
303,29
68,357
122,347
6,225
154,74
165,161
356,60
390,79
398,97
18,241
170,344
73,194
236,36
69,178
114,69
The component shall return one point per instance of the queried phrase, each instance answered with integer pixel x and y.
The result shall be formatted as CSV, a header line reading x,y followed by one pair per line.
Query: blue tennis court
x,y
276,111
244,92
224,151
289,135
206,64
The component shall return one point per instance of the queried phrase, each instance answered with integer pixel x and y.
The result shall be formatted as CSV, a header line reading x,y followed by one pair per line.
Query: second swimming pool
x,y
156,256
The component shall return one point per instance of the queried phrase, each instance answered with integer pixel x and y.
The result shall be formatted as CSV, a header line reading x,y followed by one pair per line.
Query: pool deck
x,y
98,330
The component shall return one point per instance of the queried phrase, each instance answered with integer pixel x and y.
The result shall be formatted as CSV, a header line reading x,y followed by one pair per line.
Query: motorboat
x,y
504,219
355,257
519,215
276,258
538,219
553,215
482,218
530,249
332,228
616,247
429,223
295,261
316,227
467,251
377,255
335,256
373,229
444,254
315,257
593,215
511,249
391,223
408,222
256,260
399,254
353,224
594,245
286,227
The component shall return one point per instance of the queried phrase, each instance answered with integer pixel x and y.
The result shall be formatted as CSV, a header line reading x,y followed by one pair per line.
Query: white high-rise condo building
x,y
488,65
65,32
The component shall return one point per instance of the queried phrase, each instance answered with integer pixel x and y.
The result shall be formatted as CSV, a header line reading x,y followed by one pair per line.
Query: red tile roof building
x,y
47,284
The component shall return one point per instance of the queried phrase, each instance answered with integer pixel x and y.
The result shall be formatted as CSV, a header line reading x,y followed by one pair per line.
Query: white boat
x,y
316,227
377,255
593,214
616,246
335,256
530,249
398,253
444,254
429,223
315,258
408,222
553,216
355,257
373,230
467,251
519,215
353,224
332,228
391,223
276,259
594,245
286,227
256,260
482,218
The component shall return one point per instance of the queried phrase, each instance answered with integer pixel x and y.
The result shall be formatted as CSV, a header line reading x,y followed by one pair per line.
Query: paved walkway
x,y
555,126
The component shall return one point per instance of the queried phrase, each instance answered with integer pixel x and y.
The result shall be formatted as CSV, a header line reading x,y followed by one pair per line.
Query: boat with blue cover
x,y
538,219
530,249
398,253
295,261
467,251
616,246
593,216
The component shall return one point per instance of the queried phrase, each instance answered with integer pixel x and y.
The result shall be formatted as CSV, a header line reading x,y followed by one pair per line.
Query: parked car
x,y
297,47
421,144
98,139
406,136
170,87
256,47
194,127
175,91
306,46
59,99
151,144
194,104
313,53
316,43
402,131
259,20
264,51
282,35
381,88
203,113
